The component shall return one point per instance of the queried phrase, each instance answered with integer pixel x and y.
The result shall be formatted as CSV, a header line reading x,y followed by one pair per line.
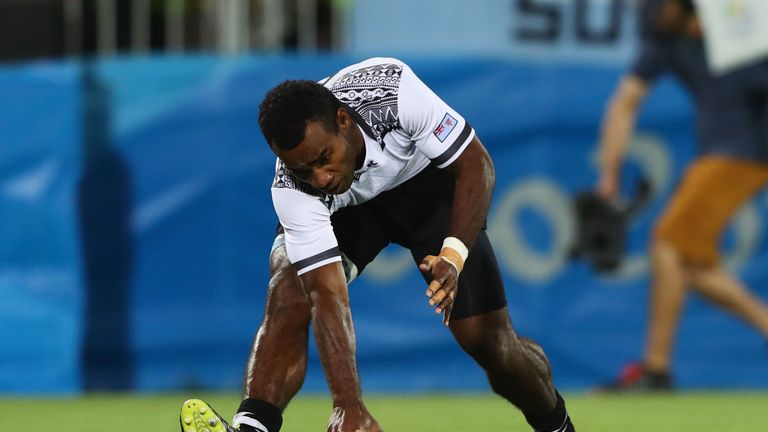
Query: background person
x,y
732,165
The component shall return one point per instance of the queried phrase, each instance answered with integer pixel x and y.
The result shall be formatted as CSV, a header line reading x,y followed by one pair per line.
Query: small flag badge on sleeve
x,y
445,128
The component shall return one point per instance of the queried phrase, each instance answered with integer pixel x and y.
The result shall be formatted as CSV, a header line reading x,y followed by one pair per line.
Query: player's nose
x,y
321,179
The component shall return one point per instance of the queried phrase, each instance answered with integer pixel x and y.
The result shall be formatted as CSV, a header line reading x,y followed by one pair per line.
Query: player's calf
x,y
517,369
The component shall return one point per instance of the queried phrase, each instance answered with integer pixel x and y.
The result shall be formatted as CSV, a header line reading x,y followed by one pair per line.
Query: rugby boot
x,y
198,416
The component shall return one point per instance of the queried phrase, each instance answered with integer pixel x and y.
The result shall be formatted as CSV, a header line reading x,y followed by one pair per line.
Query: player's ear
x,y
343,119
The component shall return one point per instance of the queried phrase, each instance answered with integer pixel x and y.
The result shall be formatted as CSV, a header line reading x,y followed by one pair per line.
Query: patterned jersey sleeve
x,y
438,131
309,238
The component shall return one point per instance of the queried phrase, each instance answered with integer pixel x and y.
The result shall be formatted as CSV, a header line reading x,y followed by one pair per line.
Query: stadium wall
x,y
137,222
41,287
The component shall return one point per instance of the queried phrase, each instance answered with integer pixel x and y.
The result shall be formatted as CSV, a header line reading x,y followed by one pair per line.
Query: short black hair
x,y
289,106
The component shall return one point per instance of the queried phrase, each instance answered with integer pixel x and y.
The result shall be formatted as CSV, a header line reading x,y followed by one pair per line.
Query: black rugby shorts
x,y
416,215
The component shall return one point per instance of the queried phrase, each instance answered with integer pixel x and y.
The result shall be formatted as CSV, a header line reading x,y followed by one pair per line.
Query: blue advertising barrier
x,y
176,297
41,291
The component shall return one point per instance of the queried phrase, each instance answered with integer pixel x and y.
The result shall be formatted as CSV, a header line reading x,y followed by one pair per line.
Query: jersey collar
x,y
361,122
374,154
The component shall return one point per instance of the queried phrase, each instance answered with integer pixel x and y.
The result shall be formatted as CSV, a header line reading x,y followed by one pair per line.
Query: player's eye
x,y
323,159
302,173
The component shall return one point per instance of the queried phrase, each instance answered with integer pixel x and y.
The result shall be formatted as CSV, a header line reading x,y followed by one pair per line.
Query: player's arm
x,y
334,333
617,127
312,249
475,178
450,142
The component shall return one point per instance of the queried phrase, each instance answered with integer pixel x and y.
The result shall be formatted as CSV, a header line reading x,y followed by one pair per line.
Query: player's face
x,y
324,159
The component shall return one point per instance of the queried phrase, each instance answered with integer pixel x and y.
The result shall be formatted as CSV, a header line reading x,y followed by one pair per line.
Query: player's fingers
x,y
439,296
447,283
433,287
428,263
447,315
447,300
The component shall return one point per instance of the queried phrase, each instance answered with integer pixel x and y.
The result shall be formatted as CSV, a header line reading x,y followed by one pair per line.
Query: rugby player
x,y
367,157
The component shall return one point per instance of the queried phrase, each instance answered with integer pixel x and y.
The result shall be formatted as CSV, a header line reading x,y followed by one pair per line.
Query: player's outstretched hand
x,y
444,278
352,419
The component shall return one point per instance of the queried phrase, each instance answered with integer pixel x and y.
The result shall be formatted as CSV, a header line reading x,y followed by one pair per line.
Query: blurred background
x,y
137,219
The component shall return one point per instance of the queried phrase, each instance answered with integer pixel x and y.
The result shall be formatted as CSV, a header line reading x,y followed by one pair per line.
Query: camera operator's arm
x,y
617,127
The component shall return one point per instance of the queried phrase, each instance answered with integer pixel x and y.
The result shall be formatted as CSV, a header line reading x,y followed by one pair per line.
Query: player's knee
x,y
495,350
279,262
283,275
489,339
286,297
513,358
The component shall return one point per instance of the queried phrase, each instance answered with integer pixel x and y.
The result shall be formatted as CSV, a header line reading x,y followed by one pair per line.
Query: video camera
x,y
601,226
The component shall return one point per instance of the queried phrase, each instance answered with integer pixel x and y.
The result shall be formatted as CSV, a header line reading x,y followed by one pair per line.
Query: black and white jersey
x,y
406,127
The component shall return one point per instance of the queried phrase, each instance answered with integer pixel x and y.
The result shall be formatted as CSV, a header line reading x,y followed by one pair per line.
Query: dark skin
x,y
475,178
277,365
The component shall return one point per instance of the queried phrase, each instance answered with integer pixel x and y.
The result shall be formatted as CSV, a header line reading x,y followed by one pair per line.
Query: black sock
x,y
256,415
556,420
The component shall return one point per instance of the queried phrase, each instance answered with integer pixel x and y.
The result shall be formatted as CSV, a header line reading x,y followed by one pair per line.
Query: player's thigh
x,y
480,286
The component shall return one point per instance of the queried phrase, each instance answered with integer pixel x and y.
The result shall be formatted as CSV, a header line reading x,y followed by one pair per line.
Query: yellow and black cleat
x,y
198,416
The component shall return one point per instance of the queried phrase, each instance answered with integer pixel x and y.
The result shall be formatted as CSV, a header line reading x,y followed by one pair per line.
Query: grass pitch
x,y
718,412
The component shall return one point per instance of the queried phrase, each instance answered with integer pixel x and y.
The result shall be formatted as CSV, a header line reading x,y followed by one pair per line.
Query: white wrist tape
x,y
453,264
457,245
